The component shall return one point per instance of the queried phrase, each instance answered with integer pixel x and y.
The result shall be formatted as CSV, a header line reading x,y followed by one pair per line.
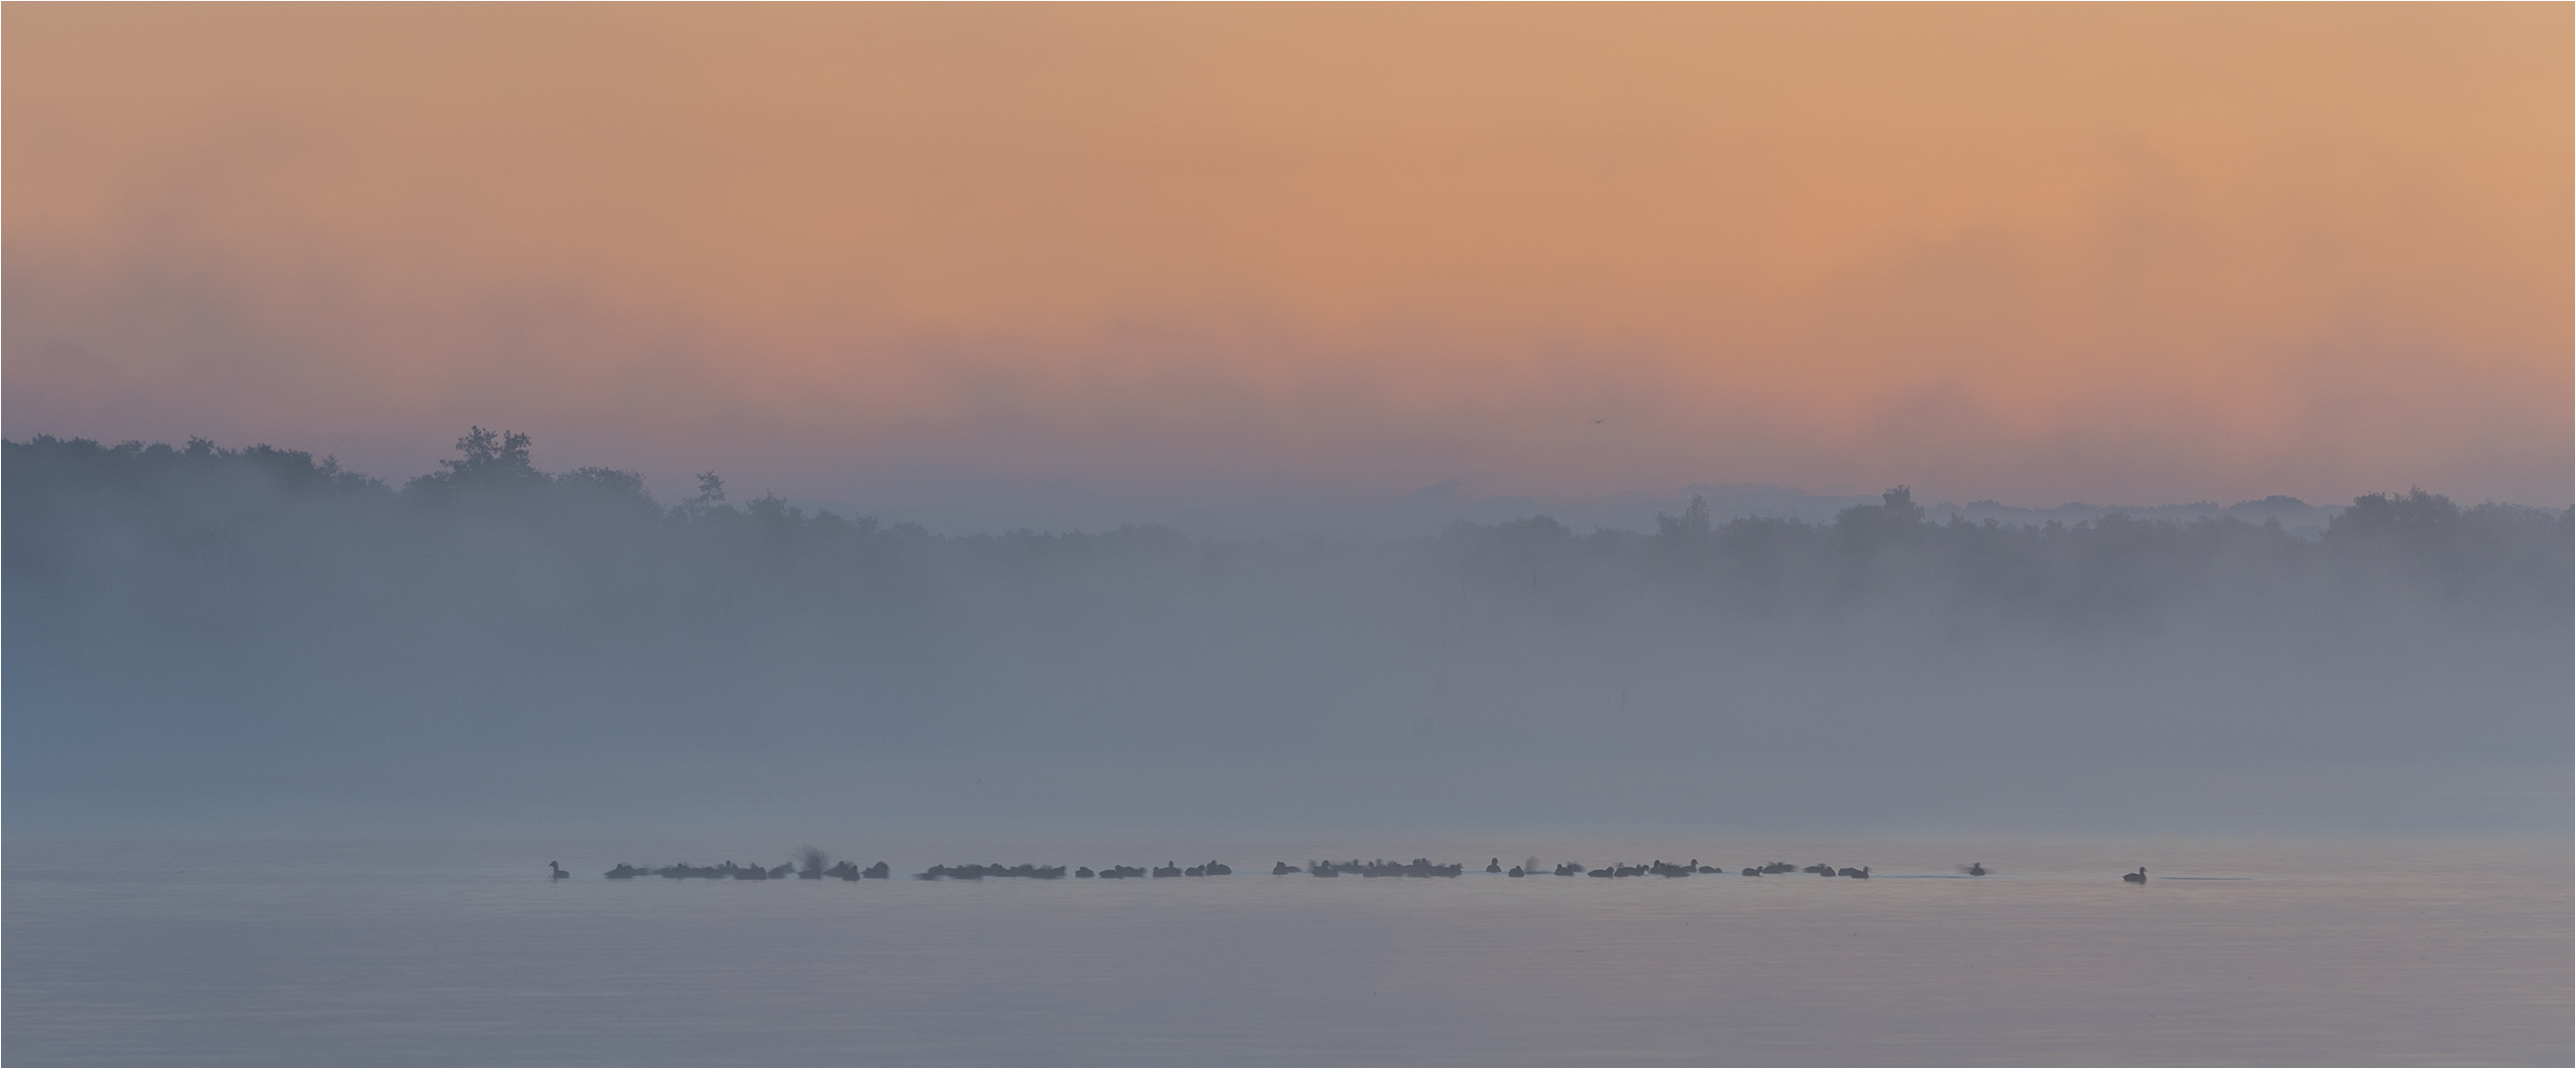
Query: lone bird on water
x,y
559,872
2139,876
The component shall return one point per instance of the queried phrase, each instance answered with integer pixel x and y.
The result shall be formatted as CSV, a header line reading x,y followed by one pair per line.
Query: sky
x,y
1164,255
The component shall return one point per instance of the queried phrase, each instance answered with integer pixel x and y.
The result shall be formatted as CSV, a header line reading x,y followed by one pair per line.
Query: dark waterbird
x,y
1861,873
1976,868
1496,865
1284,869
977,872
558,871
1084,873
1420,866
2139,876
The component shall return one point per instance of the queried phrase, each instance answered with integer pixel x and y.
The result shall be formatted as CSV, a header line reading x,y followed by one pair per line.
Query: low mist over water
x,y
1301,534
206,638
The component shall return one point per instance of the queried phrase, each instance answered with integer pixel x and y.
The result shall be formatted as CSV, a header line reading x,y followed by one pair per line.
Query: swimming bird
x,y
1284,869
1166,869
2139,876
1215,869
1496,865
1753,872
1516,872
1083,873
1976,868
559,872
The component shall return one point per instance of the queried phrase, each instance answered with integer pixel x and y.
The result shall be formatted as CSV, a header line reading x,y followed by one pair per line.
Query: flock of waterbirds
x,y
812,864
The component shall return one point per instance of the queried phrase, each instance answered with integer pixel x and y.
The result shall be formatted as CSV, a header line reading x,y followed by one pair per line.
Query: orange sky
x,y
2115,253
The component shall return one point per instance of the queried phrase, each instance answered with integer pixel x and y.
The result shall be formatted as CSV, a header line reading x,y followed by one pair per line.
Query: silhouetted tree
x,y
493,464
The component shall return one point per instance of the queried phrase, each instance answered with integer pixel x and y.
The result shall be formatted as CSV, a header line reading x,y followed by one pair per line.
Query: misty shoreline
x,y
206,634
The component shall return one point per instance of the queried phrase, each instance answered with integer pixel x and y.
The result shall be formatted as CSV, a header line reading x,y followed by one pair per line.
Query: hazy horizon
x,y
220,637
994,506
2085,489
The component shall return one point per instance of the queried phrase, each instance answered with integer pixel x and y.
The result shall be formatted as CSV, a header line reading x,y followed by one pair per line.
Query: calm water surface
x,y
463,953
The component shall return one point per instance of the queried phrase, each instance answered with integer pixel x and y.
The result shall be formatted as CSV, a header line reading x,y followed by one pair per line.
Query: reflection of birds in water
x,y
2139,876
559,872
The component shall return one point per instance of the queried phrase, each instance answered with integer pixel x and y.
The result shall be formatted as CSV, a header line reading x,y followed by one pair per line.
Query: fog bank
x,y
206,638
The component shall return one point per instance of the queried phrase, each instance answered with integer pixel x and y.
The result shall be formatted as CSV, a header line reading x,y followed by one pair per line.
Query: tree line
x,y
64,494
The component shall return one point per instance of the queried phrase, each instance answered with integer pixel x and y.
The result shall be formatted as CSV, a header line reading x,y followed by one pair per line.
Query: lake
x,y
2262,951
